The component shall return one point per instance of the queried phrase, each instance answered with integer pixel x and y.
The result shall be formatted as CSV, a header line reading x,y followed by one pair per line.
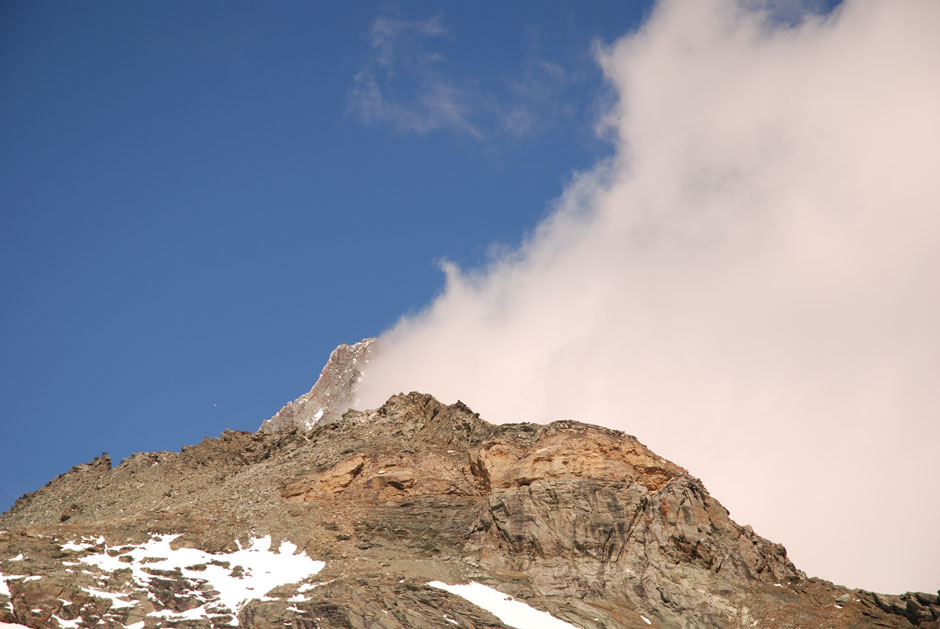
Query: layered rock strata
x,y
579,521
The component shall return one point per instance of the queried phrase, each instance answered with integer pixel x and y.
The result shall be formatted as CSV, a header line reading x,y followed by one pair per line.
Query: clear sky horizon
x,y
712,225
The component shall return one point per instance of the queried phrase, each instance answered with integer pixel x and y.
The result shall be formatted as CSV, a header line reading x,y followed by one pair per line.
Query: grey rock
x,y
580,521
332,394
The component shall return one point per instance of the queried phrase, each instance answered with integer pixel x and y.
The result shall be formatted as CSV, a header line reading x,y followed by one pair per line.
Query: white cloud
x,y
437,106
410,85
749,286
396,41
402,86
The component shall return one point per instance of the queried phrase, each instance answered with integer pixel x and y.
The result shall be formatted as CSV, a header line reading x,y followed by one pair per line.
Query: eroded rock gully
x,y
580,521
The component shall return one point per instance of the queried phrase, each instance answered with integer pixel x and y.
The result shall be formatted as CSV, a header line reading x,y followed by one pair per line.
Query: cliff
x,y
399,503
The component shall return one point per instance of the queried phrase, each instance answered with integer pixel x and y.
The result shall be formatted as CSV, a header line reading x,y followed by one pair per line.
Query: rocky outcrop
x,y
332,394
579,521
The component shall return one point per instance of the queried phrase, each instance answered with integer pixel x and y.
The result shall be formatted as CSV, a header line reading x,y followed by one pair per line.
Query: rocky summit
x,y
416,514
332,394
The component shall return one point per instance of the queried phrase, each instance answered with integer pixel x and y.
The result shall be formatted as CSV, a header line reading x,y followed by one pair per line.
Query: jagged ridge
x,y
333,393
579,520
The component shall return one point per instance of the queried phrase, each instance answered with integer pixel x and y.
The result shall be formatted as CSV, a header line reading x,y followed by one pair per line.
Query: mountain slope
x,y
576,520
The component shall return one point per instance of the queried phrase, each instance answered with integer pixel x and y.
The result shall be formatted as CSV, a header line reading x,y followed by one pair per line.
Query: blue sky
x,y
198,201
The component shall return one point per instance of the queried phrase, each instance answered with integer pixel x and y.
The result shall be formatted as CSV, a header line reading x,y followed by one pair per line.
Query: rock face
x,y
579,521
332,394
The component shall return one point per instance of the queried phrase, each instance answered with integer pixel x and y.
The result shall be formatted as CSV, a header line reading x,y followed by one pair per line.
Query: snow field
x,y
262,570
510,611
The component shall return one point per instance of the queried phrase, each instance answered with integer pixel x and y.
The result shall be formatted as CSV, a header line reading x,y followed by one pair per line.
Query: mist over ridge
x,y
748,285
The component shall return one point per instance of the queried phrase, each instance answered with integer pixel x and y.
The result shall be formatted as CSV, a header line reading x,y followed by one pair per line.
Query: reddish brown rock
x,y
577,520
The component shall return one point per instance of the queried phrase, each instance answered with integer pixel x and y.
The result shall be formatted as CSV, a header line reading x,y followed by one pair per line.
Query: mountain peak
x,y
415,514
332,394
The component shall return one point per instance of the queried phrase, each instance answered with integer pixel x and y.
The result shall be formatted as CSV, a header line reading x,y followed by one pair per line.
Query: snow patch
x,y
646,620
19,557
262,570
510,611
306,587
117,600
4,588
85,544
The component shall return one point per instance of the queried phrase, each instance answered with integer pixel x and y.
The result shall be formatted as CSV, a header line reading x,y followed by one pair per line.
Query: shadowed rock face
x,y
580,521
332,394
